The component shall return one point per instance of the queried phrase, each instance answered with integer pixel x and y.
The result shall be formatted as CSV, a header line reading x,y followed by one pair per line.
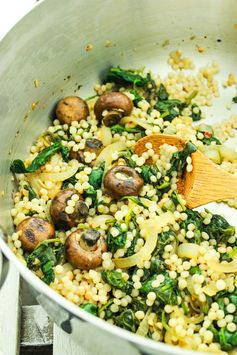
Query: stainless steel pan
x,y
49,44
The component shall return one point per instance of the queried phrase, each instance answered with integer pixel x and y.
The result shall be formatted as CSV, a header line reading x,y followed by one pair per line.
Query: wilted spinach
x,y
137,97
115,279
196,116
18,166
115,243
127,76
178,160
48,255
120,129
147,171
166,293
90,192
31,192
96,177
90,308
234,99
126,320
219,229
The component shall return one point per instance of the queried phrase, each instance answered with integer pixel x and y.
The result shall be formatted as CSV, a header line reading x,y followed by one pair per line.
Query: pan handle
x,y
4,267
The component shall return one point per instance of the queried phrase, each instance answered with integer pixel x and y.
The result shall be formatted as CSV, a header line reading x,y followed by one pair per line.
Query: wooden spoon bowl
x,y
207,182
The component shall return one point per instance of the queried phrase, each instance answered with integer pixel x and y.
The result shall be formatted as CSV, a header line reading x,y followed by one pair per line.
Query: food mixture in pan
x,y
107,229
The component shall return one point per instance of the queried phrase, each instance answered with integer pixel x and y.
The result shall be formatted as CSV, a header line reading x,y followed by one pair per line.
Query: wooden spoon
x,y
206,183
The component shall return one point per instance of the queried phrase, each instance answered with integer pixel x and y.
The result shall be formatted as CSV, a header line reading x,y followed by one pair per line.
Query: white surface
x,y
11,11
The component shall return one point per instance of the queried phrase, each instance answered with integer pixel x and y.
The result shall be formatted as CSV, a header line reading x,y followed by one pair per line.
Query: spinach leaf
x,y
162,93
18,166
177,200
115,279
126,76
90,308
209,140
169,109
126,155
166,293
31,192
194,217
131,249
48,257
126,320
90,192
147,171
234,99
219,229
196,116
195,270
226,339
120,129
115,243
178,161
96,177
139,304
163,239
157,265
137,97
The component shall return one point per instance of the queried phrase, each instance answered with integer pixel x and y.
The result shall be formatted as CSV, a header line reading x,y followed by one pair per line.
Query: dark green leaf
x,y
126,320
234,99
195,270
219,229
166,293
41,159
31,192
115,243
196,116
90,192
120,129
147,171
115,279
137,97
90,308
126,76
162,93
47,255
96,177
178,161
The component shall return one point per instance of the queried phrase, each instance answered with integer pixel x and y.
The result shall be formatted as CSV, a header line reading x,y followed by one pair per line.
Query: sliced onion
x,y
105,135
210,289
188,250
151,228
97,221
138,122
107,152
227,268
37,185
144,326
73,166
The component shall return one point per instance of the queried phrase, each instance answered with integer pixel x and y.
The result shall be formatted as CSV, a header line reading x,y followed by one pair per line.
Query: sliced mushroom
x,y
92,145
71,108
60,217
84,248
116,103
122,181
33,231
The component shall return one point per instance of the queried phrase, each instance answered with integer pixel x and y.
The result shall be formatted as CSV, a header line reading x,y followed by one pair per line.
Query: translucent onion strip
x,y
99,220
188,250
227,268
138,122
151,227
107,152
105,135
71,170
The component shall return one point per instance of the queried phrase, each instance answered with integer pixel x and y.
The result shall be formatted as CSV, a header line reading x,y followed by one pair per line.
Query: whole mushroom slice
x,y
33,231
61,218
117,104
71,108
84,248
122,181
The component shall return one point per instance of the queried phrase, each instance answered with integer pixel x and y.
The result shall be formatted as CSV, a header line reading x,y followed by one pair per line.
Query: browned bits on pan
x,y
33,231
122,181
71,108
117,104
84,248
60,217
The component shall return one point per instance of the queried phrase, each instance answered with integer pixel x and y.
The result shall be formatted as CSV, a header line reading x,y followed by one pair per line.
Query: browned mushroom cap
x,y
60,217
116,103
71,108
122,181
92,145
84,249
33,231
